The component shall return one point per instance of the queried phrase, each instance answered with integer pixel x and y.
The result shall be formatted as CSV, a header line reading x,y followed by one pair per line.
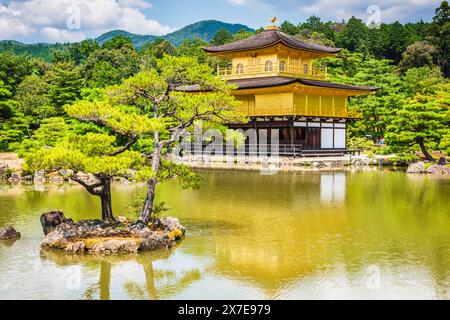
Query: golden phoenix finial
x,y
274,20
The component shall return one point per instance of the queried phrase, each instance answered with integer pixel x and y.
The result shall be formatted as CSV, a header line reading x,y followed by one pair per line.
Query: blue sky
x,y
73,20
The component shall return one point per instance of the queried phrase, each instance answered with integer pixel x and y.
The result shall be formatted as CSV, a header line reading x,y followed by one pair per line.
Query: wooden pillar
x,y
292,133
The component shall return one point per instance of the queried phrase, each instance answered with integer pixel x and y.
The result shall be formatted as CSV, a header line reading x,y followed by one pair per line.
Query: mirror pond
x,y
303,235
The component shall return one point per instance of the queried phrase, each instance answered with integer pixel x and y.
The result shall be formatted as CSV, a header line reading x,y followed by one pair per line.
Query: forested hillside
x,y
409,63
203,30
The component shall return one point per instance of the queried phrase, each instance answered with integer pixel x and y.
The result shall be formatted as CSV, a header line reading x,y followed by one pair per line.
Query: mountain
x,y
38,50
138,40
204,30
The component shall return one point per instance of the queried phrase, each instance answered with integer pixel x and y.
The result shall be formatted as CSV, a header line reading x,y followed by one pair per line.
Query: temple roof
x,y
275,81
268,38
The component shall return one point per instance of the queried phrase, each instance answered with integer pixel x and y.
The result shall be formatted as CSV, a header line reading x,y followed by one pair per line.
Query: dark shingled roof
x,y
268,38
275,81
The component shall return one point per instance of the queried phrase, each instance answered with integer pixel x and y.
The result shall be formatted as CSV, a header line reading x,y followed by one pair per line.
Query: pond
x,y
304,235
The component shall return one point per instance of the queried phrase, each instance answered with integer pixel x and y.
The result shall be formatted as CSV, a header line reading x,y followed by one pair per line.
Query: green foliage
x,y
242,34
422,120
354,36
115,117
13,69
188,179
71,154
159,208
13,127
107,67
50,132
361,143
439,31
12,132
222,36
419,54
7,105
117,43
64,85
404,159
193,49
33,99
289,28
445,143
377,108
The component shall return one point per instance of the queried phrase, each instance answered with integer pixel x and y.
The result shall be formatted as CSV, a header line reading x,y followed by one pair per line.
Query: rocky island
x,y
100,237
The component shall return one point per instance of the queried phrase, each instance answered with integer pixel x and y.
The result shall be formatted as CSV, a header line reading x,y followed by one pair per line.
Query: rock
x,y
15,177
360,161
3,170
66,174
99,237
418,167
442,161
52,219
55,178
124,220
439,170
76,247
157,241
61,236
40,173
86,177
28,178
115,246
124,181
9,233
39,180
170,224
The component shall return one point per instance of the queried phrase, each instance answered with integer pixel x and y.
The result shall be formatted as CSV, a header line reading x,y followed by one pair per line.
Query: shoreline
x,y
11,166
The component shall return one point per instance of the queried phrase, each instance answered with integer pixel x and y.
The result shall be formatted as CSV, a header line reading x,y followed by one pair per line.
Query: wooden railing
x,y
227,73
267,150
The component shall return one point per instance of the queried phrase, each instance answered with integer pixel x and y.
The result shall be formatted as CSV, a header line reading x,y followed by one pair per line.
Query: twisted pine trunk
x,y
147,210
106,201
421,142
101,189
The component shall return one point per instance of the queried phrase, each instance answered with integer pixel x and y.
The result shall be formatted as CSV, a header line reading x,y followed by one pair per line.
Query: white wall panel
x,y
327,138
340,139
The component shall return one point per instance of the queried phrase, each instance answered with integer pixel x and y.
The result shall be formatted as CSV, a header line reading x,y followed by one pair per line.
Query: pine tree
x,y
104,155
158,93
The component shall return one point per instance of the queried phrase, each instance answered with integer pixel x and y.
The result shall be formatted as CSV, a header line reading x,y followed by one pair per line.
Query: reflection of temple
x,y
332,188
281,88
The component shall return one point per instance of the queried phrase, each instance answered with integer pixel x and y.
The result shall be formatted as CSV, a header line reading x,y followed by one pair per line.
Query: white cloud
x,y
391,10
73,20
238,2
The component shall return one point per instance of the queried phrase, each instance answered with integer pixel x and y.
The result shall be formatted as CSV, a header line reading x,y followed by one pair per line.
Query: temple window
x,y
240,68
269,66
306,68
282,66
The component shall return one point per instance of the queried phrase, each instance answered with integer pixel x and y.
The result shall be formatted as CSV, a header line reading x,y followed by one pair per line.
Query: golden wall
x,y
288,103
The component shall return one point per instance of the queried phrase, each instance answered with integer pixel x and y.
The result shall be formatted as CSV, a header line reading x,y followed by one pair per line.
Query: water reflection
x,y
289,236
158,284
332,188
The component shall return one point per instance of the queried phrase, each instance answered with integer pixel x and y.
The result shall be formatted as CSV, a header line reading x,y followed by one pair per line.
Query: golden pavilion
x,y
280,88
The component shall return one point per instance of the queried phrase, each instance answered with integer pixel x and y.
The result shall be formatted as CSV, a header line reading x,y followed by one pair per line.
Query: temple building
x,y
281,88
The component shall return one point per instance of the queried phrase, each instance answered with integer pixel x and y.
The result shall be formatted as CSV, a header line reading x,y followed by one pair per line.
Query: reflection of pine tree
x,y
103,286
165,291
